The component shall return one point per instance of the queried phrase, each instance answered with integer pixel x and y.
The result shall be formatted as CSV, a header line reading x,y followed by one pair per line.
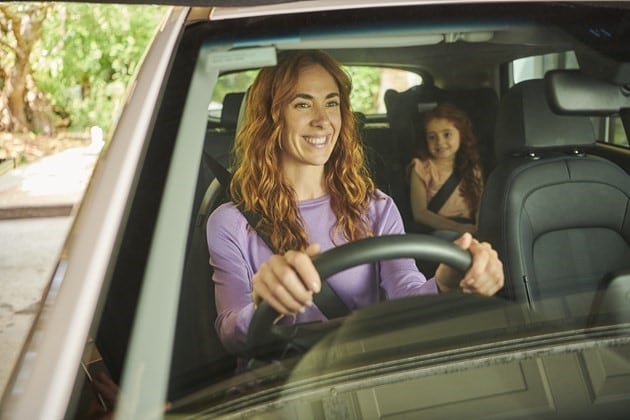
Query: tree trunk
x,y
25,27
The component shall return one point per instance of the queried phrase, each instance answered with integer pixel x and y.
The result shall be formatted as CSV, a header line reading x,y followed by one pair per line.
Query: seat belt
x,y
327,300
445,191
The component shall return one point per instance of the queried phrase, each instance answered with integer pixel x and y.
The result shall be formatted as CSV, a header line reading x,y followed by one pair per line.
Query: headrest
x,y
416,99
231,108
526,123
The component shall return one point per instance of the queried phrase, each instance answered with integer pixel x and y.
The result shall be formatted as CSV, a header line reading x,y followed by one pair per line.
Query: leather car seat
x,y
558,217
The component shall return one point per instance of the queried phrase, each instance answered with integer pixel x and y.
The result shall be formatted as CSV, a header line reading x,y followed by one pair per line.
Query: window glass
x,y
536,67
230,82
617,133
369,86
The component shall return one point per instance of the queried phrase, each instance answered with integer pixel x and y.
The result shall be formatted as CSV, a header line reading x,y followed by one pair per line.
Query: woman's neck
x,y
308,182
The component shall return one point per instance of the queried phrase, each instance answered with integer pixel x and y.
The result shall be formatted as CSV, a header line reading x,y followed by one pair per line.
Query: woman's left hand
x,y
485,275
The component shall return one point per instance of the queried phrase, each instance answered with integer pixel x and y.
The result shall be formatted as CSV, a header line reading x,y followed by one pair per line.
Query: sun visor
x,y
572,92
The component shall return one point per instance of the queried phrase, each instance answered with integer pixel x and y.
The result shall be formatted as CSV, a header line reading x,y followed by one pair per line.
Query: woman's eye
x,y
302,105
332,104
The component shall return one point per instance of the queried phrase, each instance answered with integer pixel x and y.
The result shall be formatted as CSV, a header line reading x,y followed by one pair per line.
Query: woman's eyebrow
x,y
311,97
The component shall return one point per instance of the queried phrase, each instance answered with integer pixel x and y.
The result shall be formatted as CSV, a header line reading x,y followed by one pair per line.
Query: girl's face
x,y
442,139
312,119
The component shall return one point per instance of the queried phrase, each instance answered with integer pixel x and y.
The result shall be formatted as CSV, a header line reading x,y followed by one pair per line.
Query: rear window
x,y
369,87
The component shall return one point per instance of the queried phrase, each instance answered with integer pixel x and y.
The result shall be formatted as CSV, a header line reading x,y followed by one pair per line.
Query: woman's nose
x,y
320,116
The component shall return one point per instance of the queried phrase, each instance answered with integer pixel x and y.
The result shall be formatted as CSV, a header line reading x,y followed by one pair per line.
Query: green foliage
x,y
366,82
233,82
87,56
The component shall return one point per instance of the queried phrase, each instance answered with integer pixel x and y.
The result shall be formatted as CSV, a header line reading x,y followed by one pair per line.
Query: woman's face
x,y
442,139
312,119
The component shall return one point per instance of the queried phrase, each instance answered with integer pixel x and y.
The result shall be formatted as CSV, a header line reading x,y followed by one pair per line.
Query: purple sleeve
x,y
227,235
399,278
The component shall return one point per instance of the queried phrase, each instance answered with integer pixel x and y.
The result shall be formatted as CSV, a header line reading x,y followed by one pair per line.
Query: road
x,y
28,251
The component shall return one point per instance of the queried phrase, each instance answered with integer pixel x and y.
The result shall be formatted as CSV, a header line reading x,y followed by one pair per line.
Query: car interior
x,y
556,198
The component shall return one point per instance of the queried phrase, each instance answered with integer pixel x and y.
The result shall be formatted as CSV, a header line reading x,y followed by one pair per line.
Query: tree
x,y
88,56
20,27
68,64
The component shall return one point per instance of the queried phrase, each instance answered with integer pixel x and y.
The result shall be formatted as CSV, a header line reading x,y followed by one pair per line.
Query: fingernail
x,y
302,310
315,287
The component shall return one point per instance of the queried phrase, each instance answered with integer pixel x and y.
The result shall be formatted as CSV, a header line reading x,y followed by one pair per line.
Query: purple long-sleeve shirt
x,y
237,252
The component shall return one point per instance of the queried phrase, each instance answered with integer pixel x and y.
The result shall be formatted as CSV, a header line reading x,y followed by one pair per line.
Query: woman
x,y
300,168
445,179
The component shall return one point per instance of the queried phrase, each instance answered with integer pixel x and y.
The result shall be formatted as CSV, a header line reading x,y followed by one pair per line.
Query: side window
x,y
370,83
536,67
607,129
229,82
610,130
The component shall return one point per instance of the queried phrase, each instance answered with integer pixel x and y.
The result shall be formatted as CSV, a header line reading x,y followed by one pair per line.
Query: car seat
x,y
405,111
219,141
558,217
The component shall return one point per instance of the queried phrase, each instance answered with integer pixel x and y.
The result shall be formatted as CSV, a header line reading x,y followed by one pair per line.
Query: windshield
x,y
382,352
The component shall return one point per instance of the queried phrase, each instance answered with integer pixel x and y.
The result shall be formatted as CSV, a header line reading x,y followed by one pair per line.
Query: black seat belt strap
x,y
444,193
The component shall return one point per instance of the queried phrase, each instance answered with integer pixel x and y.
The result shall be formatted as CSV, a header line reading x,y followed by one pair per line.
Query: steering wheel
x,y
261,340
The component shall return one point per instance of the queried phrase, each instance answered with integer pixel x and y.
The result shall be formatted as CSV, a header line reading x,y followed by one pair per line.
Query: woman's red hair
x,y
258,184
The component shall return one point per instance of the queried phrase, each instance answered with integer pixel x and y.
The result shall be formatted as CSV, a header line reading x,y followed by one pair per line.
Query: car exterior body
x,y
121,281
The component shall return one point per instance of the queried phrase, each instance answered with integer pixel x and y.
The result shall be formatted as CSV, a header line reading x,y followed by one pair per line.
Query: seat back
x,y
219,140
404,113
558,217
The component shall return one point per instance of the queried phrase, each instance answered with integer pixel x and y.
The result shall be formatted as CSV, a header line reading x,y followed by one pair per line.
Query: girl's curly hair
x,y
467,160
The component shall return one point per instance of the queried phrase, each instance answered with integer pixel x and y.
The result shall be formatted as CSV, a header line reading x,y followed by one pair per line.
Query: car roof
x,y
281,6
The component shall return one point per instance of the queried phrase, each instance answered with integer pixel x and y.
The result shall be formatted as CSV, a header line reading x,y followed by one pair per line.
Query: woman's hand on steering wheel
x,y
484,277
287,282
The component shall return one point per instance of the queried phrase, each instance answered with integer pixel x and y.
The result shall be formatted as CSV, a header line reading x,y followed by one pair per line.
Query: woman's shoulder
x,y
226,216
384,214
381,200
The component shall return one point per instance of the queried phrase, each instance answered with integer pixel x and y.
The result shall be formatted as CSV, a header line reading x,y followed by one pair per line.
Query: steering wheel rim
x,y
261,341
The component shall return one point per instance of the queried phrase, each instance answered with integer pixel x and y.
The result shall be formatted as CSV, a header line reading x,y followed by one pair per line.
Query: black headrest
x,y
231,107
416,99
526,123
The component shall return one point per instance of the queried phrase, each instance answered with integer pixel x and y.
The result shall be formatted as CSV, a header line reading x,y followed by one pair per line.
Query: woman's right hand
x,y
287,282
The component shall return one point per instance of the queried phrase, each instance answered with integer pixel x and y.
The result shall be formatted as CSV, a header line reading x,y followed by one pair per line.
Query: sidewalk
x,y
35,202
49,187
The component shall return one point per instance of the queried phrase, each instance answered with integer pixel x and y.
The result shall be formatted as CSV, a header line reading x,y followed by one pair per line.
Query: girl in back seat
x,y
446,176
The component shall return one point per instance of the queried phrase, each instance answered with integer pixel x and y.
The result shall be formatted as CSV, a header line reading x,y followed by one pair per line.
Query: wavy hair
x,y
258,184
467,161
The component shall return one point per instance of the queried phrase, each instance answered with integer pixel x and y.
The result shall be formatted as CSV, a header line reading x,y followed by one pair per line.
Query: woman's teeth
x,y
317,141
